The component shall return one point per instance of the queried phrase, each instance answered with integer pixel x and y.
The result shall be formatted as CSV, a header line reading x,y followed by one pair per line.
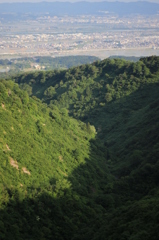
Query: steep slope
x,y
97,182
46,169
87,87
113,95
118,97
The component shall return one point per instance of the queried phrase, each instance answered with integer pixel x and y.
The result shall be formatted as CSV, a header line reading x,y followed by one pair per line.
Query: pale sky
x,y
11,1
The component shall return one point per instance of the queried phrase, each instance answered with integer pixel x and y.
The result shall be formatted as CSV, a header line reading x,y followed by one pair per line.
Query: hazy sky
x,y
11,1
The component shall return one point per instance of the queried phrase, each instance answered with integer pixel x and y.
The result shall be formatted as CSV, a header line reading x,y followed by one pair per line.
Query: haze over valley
x,y
73,30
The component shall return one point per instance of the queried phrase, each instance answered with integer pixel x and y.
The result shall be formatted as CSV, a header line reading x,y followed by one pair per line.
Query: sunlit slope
x,y
66,179
46,158
85,89
113,95
34,135
120,98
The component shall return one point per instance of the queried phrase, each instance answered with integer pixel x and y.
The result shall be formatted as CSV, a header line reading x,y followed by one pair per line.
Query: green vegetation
x,y
88,88
80,156
128,58
16,65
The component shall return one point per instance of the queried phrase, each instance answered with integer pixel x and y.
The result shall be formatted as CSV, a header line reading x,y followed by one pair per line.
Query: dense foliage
x,y
16,65
128,58
85,89
63,178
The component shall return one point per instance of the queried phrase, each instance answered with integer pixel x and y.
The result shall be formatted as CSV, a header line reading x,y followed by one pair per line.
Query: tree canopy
x,y
80,152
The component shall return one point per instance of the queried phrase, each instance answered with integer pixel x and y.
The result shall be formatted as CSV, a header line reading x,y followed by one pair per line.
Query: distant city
x,y
82,34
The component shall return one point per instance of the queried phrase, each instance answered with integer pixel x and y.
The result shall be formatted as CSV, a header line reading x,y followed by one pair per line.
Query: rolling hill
x,y
79,157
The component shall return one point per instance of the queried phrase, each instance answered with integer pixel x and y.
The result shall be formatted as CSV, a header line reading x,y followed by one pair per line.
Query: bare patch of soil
x,y
8,147
14,163
26,171
3,106
65,174
60,158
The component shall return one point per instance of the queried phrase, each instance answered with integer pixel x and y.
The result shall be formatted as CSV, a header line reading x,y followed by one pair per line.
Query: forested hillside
x,y
83,162
17,65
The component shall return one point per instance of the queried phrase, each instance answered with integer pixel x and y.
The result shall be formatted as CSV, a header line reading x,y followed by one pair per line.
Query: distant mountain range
x,y
80,8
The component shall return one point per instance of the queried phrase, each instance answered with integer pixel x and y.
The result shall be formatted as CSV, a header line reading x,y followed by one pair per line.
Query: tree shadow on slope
x,y
56,211
100,203
129,130
121,123
95,206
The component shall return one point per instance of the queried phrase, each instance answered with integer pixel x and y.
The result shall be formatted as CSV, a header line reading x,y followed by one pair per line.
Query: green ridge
x,y
93,177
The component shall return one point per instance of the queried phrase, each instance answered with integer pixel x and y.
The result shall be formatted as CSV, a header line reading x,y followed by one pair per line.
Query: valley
x,y
79,152
79,120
